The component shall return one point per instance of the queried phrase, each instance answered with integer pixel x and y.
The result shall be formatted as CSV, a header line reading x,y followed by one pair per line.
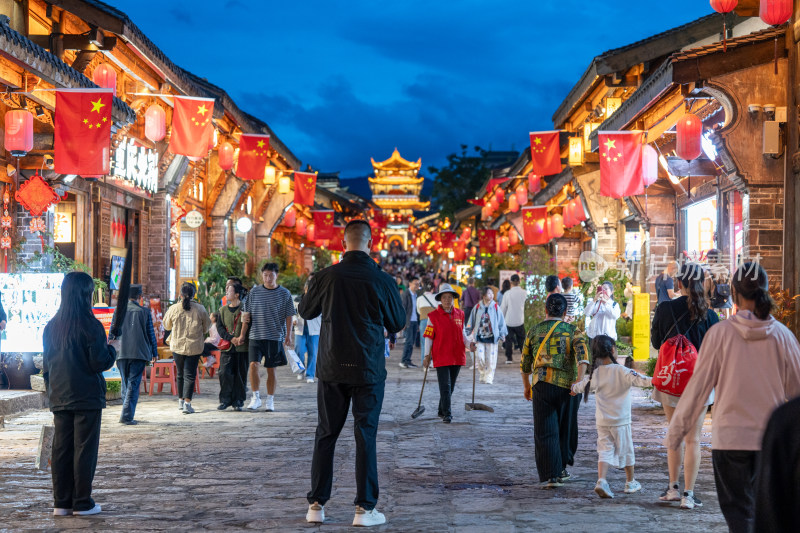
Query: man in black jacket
x,y
357,301
139,346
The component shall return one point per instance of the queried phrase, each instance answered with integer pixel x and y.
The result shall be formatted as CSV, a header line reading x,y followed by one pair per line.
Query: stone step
x,y
18,401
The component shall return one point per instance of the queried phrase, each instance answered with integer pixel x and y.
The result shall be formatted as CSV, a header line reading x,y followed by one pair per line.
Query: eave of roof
x,y
47,66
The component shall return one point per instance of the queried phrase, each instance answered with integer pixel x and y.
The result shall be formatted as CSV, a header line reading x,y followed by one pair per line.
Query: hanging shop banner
x,y
134,168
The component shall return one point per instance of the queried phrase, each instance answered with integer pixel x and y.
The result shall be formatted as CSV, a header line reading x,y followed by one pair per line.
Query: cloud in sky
x,y
340,83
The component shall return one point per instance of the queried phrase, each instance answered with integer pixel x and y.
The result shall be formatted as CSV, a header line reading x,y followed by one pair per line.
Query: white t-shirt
x,y
513,306
612,385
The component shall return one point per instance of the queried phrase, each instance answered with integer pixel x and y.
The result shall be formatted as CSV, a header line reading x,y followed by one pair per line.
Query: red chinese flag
x,y
305,186
323,222
460,252
336,241
253,156
82,139
487,241
621,163
532,218
448,239
545,153
190,126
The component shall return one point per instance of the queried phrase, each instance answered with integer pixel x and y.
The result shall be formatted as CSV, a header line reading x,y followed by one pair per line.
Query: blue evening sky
x,y
340,82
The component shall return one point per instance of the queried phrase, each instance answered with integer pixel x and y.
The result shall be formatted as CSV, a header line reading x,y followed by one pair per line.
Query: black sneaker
x,y
223,406
566,476
411,365
447,419
552,483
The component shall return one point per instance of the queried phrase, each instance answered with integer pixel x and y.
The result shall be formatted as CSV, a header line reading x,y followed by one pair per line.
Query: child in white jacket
x,y
612,384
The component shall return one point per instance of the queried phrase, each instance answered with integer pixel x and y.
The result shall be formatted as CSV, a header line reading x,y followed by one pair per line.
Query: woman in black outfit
x,y
76,353
690,316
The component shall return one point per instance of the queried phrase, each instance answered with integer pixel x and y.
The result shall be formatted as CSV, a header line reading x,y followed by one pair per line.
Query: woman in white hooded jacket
x,y
752,361
486,327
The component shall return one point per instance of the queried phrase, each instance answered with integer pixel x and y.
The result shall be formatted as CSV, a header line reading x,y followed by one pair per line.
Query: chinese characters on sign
x,y
136,165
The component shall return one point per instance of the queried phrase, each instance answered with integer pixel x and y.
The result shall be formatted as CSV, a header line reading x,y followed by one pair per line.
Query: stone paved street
x,y
249,471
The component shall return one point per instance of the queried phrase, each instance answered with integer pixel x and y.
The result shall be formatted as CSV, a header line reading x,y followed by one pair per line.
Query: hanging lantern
x,y
310,232
155,123
106,77
212,137
724,6
499,196
513,237
690,135
649,165
225,154
513,204
301,226
466,233
579,214
289,218
502,245
522,195
284,185
534,183
774,12
269,175
557,226
19,132
568,222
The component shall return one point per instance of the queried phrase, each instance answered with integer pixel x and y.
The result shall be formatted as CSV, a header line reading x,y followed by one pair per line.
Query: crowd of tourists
x,y
747,366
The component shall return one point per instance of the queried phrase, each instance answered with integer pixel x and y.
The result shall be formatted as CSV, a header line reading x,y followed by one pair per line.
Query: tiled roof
x,y
51,69
767,34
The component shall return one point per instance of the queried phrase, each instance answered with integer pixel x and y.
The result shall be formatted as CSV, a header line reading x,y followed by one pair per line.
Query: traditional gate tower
x,y
395,190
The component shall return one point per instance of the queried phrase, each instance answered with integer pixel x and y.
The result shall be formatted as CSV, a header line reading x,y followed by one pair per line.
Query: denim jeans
x,y
422,340
308,343
130,370
412,332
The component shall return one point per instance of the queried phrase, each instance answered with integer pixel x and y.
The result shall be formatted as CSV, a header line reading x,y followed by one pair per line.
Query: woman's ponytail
x,y
751,283
187,293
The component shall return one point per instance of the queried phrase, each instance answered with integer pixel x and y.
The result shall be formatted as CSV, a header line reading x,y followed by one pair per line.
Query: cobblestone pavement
x,y
250,470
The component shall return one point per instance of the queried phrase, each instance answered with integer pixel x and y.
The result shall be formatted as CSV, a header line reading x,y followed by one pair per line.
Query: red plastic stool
x,y
209,372
163,372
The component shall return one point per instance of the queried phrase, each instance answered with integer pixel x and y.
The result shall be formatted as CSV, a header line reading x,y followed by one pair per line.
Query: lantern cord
x,y
776,55
724,33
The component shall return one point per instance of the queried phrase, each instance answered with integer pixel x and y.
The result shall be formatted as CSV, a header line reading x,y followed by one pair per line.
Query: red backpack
x,y
676,359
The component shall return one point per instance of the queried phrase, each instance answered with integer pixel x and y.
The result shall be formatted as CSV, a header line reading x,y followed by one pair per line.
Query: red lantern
x,y
19,132
649,165
568,222
690,134
534,183
579,213
557,226
502,245
724,6
499,196
225,156
301,226
289,218
466,233
513,205
310,232
522,195
775,12
155,123
106,77
513,237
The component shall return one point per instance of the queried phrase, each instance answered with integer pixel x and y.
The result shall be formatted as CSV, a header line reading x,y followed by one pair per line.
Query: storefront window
x,y
240,240
64,233
188,255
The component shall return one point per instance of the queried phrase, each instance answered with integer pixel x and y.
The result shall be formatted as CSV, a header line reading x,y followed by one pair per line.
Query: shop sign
x,y
194,219
641,326
136,165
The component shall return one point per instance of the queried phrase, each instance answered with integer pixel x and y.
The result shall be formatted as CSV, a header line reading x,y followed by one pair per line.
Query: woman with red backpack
x,y
677,324
753,362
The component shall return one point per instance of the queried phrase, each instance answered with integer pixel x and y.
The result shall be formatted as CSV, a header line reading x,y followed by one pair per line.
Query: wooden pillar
x,y
791,239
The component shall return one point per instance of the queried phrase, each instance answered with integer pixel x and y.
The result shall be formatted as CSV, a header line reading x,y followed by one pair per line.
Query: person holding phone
x,y
603,312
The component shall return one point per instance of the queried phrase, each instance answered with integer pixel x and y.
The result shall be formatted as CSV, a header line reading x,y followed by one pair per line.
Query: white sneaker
x,y
255,402
316,513
187,408
632,486
602,489
270,403
670,495
94,510
180,405
368,518
299,377
690,501
310,380
58,511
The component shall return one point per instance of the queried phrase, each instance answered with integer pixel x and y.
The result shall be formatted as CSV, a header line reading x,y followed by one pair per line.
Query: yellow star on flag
x,y
202,110
537,140
528,214
260,144
86,121
610,144
105,119
96,106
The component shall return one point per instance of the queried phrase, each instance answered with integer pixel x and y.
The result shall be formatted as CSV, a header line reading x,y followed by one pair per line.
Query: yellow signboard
x,y
641,326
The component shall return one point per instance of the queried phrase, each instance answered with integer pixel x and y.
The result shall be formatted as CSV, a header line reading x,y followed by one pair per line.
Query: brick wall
x,y
216,235
763,227
569,251
33,245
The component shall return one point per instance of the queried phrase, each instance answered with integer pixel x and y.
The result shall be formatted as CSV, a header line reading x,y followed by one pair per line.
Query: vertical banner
x,y
641,326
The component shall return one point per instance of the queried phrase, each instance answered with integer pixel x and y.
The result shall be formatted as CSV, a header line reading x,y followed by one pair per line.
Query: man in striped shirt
x,y
572,297
267,317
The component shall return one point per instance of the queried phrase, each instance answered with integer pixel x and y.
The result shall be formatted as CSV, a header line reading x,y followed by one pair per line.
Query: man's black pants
x,y
447,382
232,375
551,407
333,401
516,336
74,460
735,477
569,430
